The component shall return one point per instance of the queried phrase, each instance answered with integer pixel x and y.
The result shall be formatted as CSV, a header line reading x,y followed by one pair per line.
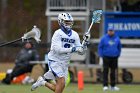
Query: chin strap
x,y
66,31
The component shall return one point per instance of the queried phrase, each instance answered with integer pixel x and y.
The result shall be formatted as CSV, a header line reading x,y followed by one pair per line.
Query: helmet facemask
x,y
65,20
67,24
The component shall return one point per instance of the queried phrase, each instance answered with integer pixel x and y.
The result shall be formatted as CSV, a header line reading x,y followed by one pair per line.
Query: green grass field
x,y
72,88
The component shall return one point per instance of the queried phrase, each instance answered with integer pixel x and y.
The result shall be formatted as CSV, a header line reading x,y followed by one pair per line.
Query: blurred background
x,y
19,16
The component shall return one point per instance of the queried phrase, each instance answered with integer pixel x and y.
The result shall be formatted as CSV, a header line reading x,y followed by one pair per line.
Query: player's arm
x,y
57,45
100,47
119,46
80,48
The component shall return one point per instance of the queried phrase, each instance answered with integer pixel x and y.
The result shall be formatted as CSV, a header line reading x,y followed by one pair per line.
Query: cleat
x,y
105,88
38,83
115,88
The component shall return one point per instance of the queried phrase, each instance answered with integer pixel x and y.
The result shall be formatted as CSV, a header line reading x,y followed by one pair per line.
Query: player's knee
x,y
61,80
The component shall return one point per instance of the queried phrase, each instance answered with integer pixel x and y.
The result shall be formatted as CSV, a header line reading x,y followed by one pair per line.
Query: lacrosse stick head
x,y
97,16
34,33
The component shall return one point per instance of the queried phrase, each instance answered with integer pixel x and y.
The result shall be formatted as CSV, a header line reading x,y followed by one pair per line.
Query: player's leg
x,y
113,73
105,73
60,85
50,78
56,71
43,81
60,70
50,75
7,79
17,70
61,81
51,86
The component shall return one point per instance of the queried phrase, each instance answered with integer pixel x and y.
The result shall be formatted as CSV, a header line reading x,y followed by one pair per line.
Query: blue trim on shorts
x,y
55,74
51,68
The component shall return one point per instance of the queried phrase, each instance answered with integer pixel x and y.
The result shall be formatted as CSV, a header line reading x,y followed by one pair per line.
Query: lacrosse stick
x,y
95,19
34,33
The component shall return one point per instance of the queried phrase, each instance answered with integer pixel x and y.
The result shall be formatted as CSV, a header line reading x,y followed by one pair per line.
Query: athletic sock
x,y
43,83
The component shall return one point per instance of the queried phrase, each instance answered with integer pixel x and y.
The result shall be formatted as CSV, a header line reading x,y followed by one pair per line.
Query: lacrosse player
x,y
65,41
27,53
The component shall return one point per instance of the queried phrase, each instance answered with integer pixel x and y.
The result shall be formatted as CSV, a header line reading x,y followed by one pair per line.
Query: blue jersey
x,y
109,46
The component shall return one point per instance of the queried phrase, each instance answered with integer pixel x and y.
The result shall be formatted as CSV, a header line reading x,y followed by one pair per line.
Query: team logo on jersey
x,y
68,40
111,42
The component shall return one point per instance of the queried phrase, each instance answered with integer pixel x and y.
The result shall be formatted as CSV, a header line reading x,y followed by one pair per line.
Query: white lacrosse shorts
x,y
57,69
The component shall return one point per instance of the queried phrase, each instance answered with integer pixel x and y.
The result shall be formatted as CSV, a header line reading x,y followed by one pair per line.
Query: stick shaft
x,y
95,19
10,42
90,27
88,32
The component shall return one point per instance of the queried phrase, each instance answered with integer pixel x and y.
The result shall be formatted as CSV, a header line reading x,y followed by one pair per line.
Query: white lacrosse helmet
x,y
65,20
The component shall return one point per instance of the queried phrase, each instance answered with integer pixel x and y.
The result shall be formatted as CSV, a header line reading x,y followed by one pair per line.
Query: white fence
x,y
67,4
130,58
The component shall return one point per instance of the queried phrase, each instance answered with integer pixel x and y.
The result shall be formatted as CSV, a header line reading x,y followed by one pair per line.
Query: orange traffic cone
x,y
80,80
